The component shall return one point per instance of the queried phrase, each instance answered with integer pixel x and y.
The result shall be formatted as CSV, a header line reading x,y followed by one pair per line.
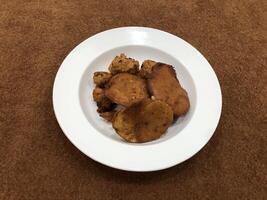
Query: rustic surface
x,y
38,162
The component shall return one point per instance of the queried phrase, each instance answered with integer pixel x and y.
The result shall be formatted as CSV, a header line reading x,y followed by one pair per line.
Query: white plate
x,y
76,111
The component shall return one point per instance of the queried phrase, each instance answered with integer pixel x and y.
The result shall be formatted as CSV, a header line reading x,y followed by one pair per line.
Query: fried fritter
x,y
98,94
108,115
155,118
164,85
122,63
126,89
124,123
101,78
103,103
146,68
143,122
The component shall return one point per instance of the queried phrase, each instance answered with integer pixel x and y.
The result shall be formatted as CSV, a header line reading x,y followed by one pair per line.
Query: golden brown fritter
x,y
143,122
154,120
164,85
98,94
124,123
122,63
146,68
126,89
103,103
101,78
108,115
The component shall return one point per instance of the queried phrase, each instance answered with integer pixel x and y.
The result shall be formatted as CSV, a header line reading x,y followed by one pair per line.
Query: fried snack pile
x,y
140,103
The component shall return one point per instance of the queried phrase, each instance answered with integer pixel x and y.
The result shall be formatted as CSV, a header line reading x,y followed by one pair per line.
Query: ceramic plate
x,y
76,113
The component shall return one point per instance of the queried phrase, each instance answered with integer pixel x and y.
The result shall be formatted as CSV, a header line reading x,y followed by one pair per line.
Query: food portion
x,y
146,68
140,103
143,122
101,78
122,63
109,115
164,85
98,94
103,103
126,89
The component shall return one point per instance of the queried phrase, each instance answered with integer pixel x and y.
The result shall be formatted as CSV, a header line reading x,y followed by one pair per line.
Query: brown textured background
x,y
38,162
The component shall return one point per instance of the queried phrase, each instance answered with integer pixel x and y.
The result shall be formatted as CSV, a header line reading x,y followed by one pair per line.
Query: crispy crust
x,y
126,89
143,122
124,123
101,78
98,94
146,68
164,85
122,64
103,103
108,115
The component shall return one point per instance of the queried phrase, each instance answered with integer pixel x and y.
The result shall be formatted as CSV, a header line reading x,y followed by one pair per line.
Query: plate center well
x,y
139,53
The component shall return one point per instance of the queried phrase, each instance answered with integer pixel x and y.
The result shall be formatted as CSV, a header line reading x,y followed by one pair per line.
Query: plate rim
x,y
219,104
